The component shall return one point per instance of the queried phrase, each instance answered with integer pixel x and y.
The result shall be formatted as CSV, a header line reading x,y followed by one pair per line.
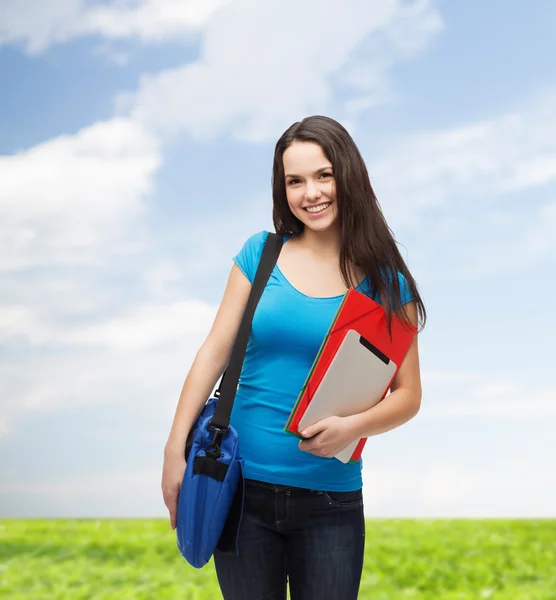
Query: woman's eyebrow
x,y
317,172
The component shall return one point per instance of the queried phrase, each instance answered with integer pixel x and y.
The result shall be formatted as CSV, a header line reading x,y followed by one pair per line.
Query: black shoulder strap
x,y
228,385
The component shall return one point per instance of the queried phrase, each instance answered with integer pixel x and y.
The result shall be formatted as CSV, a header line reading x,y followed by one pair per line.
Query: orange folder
x,y
368,318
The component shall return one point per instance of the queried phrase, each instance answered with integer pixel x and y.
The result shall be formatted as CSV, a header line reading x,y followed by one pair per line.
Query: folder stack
x,y
354,368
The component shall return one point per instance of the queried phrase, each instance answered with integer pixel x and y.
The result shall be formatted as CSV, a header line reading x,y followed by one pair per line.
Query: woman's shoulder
x,y
256,241
249,255
405,289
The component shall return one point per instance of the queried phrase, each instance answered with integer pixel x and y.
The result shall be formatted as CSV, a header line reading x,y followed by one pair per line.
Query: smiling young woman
x,y
303,512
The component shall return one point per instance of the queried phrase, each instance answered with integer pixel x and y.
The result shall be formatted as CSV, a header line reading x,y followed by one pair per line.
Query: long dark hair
x,y
367,242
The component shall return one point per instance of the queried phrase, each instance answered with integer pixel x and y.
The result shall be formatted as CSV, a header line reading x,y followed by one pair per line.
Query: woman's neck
x,y
326,245
322,243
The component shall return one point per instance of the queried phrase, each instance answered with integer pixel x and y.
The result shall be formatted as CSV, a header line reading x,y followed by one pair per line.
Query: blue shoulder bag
x,y
210,502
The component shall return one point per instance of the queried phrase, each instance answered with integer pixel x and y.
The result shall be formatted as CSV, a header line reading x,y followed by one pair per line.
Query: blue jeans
x,y
314,539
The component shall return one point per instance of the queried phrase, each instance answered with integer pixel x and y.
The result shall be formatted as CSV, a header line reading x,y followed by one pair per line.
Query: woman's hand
x,y
329,436
172,476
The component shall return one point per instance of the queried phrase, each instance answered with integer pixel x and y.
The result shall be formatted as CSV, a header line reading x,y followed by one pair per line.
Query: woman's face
x,y
310,185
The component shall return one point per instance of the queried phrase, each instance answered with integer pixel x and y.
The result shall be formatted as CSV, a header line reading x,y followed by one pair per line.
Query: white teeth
x,y
318,209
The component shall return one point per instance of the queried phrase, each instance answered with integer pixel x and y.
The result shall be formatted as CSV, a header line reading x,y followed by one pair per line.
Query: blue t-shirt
x,y
287,333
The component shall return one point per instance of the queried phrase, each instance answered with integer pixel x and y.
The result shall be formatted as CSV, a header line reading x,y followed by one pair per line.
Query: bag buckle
x,y
213,449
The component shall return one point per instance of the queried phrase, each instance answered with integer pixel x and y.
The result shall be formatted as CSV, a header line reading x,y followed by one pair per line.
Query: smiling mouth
x,y
315,210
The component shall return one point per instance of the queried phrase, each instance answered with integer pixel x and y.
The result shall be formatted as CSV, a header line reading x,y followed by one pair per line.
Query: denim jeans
x,y
314,539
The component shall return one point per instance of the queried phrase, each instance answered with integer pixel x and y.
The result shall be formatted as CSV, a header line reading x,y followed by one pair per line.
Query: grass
x,y
405,559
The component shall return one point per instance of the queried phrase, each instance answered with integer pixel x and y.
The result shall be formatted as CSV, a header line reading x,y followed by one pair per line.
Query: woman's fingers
x,y
171,501
172,477
173,511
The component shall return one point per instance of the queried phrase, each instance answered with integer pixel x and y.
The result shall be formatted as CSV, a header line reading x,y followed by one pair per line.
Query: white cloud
x,y
471,188
151,20
137,360
412,27
19,320
282,65
77,202
518,244
474,162
448,490
533,172
468,394
91,494
448,378
160,278
38,25
540,238
504,401
3,428
433,490
147,327
479,242
86,484
276,71
50,294
139,328
69,199
71,341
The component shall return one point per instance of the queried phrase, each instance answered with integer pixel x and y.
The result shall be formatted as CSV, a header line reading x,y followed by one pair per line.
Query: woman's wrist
x,y
174,447
358,425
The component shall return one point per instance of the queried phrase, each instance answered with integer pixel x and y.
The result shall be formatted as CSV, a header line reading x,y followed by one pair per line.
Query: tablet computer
x,y
356,380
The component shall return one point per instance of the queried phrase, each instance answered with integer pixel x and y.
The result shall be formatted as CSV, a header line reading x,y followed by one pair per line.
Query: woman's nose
x,y
312,191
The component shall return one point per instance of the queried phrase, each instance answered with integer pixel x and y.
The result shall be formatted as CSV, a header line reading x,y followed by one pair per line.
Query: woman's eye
x,y
326,174
293,181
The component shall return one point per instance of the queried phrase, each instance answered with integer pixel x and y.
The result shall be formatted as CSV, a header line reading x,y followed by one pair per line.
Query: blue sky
x,y
136,145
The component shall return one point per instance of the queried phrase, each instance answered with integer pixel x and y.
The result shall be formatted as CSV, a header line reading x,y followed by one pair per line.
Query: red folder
x,y
361,313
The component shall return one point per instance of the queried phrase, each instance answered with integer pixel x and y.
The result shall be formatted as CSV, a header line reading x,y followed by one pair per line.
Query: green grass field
x,y
416,559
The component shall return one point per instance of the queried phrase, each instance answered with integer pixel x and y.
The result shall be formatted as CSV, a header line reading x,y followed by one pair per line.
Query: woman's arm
x,y
210,361
208,366
403,401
